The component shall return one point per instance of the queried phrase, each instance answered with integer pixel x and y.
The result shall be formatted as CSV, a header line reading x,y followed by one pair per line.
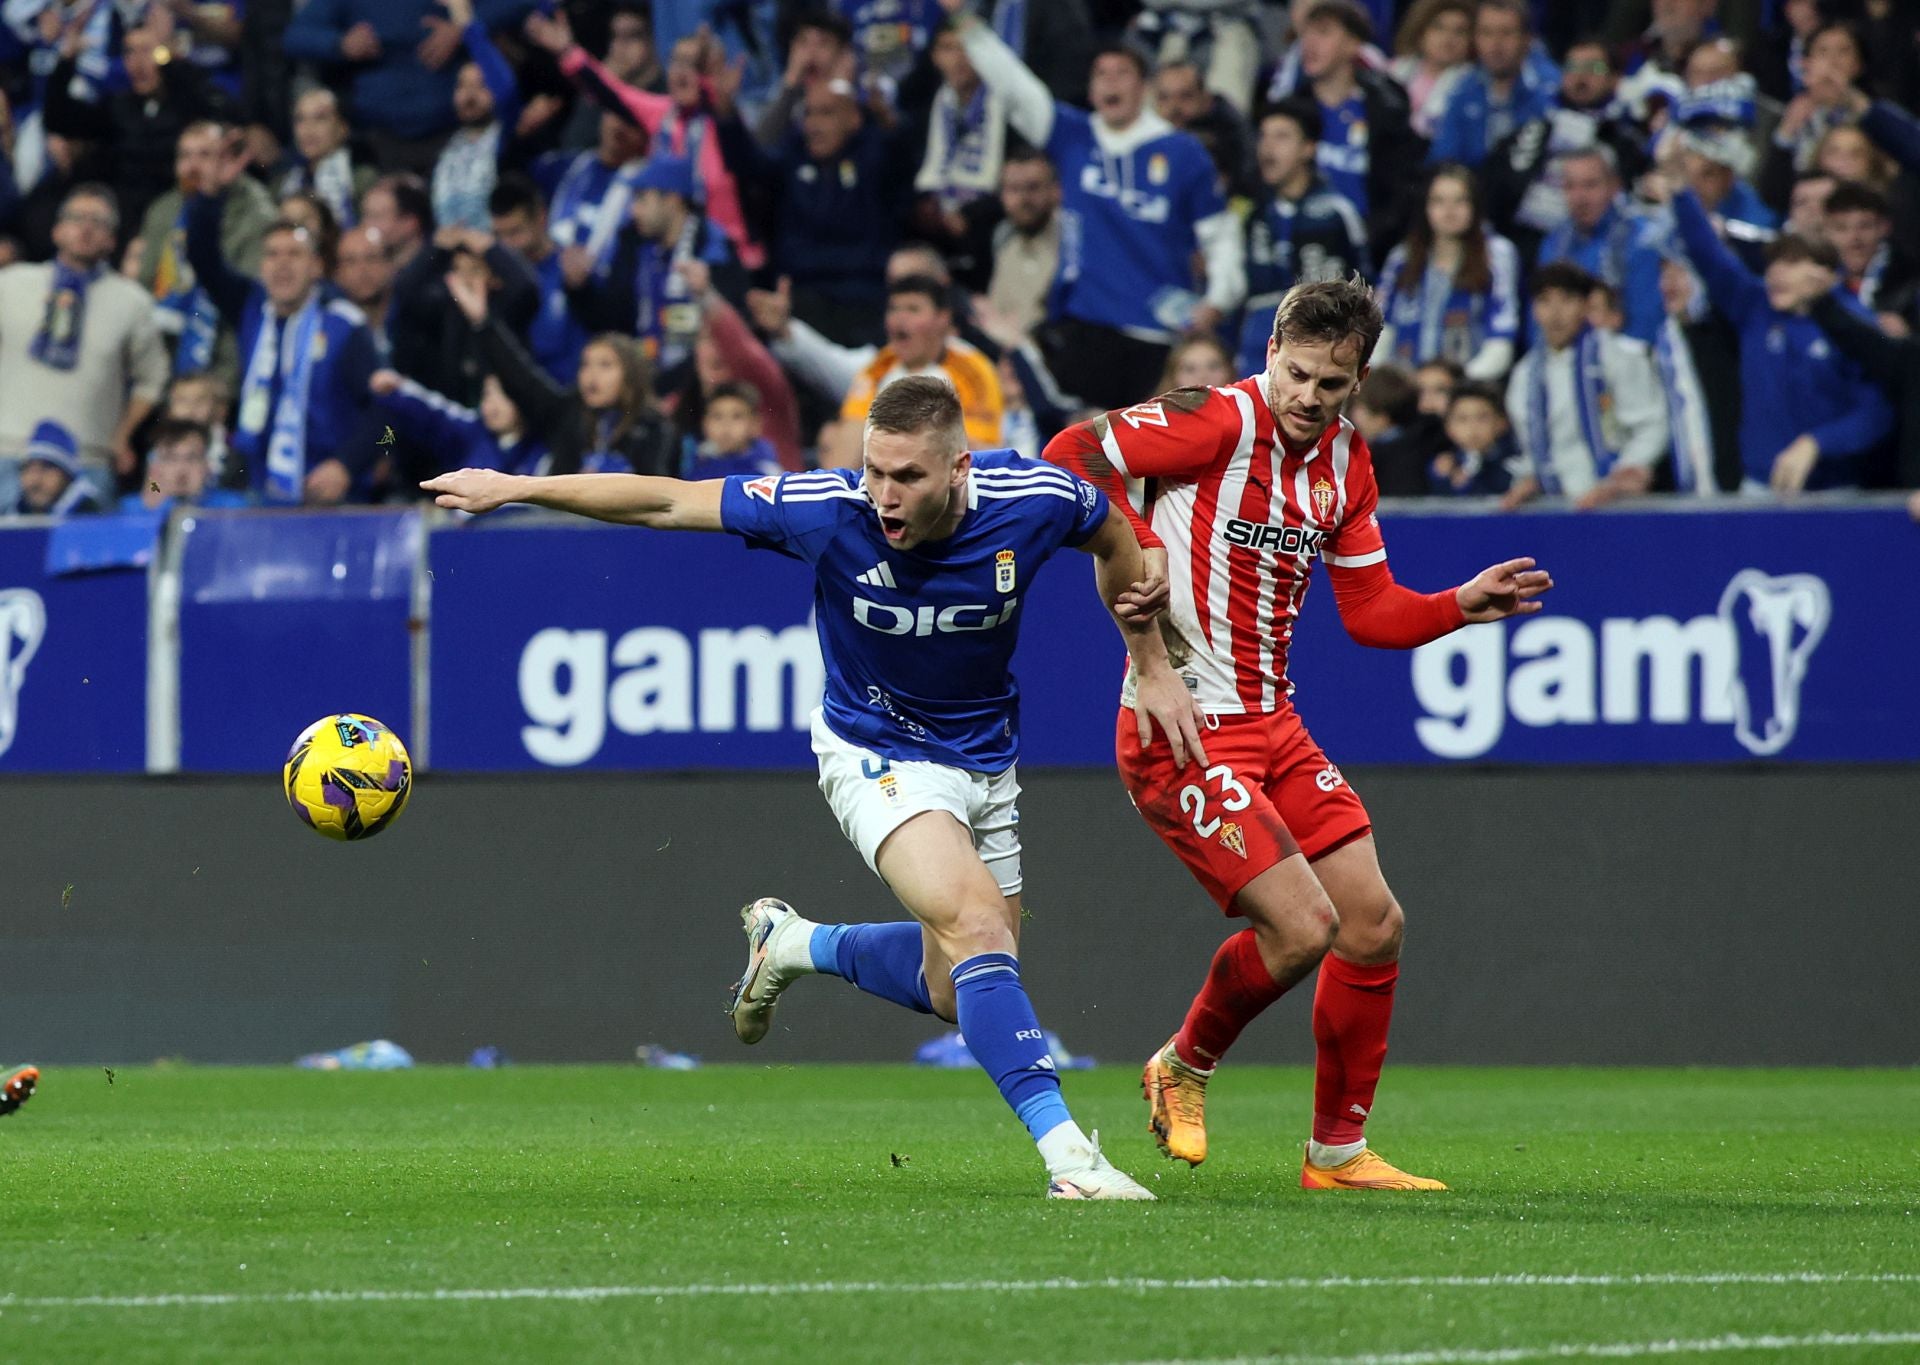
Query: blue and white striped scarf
x,y
1687,412
1592,398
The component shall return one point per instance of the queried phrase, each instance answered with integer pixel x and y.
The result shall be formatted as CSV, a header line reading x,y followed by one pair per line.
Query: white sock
x,y
1320,1154
790,949
1064,1148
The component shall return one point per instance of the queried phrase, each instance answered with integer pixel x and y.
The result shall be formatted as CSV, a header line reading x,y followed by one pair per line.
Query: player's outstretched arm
x,y
1160,696
629,499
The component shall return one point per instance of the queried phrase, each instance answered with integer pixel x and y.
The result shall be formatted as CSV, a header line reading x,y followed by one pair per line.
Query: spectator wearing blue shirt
x,y
1305,231
1140,200
1451,291
178,470
492,436
650,291
1809,417
305,357
1606,237
730,440
1502,91
555,335
400,54
1367,146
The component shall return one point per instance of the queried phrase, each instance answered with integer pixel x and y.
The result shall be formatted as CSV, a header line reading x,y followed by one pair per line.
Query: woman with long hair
x,y
607,423
1451,290
1433,49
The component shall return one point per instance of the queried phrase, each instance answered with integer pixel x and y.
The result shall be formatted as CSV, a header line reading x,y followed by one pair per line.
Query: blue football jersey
x,y
919,643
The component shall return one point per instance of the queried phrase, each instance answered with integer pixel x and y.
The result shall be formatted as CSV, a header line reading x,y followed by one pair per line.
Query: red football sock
x,y
1352,1007
1237,988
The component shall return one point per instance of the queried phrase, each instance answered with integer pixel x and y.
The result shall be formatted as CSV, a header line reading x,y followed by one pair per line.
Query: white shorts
x,y
873,796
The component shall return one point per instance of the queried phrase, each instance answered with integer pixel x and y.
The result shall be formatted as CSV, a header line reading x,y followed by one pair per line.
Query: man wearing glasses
x,y
78,344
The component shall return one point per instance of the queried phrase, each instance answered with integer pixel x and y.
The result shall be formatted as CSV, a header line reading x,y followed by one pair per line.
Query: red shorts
x,y
1267,792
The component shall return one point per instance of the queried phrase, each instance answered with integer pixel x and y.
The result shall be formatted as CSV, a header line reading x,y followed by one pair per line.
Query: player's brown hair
x,y
920,403
1335,311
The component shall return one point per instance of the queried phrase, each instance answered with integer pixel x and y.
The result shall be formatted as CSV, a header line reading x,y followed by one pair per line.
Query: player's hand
x,y
1161,698
1792,466
1149,597
1509,589
472,490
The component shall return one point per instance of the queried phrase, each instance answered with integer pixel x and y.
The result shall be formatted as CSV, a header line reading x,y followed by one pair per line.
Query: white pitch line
x,y
1128,1284
1582,1350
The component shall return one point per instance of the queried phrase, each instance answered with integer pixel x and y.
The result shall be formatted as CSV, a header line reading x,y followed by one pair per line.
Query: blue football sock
x,y
998,1022
881,959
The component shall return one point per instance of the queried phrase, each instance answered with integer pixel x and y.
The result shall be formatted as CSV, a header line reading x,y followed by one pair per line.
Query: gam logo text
x,y
657,680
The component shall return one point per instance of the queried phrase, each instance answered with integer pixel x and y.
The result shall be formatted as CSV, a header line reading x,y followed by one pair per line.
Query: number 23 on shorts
x,y
1232,798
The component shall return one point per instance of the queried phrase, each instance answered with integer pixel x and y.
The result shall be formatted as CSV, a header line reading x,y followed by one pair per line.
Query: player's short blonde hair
x,y
921,403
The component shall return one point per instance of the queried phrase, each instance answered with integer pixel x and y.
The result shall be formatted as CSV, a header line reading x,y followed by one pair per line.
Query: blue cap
x,y
53,444
669,174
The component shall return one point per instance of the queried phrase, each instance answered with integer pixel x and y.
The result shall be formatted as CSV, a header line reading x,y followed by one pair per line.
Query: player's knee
x,y
975,929
1304,930
1376,934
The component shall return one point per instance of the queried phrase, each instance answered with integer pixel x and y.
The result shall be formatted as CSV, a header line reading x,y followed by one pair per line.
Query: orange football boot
x,y
1176,1096
1365,1171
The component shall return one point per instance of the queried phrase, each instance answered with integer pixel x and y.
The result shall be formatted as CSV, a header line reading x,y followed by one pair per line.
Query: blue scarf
x,y
57,344
293,362
581,221
1010,25
1687,410
199,319
1590,391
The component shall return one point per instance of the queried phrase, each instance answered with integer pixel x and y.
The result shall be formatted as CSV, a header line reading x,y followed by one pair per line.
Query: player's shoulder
x,y
825,492
1352,456
1184,408
1009,468
1012,484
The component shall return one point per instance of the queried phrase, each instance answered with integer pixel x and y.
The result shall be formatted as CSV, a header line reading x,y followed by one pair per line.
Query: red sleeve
x,y
1177,435
1376,610
752,362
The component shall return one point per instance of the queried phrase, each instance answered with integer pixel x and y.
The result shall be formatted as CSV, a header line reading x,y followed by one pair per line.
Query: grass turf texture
x,y
265,1183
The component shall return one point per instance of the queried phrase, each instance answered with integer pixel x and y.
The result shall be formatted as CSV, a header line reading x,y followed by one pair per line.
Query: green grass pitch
x,y
853,1214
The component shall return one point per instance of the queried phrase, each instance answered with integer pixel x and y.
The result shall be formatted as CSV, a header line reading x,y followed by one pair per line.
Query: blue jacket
x,y
1793,381
1318,236
456,435
393,92
1466,133
1624,250
337,393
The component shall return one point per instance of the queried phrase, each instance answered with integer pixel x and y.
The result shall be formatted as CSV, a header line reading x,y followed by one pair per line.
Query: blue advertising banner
x,y
1673,636
73,662
286,617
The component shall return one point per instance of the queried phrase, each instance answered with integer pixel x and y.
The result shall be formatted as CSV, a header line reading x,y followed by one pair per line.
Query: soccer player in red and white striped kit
x,y
1240,488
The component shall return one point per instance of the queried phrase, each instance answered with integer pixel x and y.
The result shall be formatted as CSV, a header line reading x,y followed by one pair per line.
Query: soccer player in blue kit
x,y
920,561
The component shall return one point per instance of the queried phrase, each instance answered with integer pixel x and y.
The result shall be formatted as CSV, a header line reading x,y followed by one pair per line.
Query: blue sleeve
x,y
420,414
1089,512
499,78
1867,421
1641,299
1896,131
794,514
499,15
1730,285
1450,139
316,30
1072,127
227,287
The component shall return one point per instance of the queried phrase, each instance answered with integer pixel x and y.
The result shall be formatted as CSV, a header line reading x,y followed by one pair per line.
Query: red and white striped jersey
x,y
1242,518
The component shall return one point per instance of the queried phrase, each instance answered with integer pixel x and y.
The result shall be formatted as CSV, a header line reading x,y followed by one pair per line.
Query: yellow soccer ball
x,y
348,776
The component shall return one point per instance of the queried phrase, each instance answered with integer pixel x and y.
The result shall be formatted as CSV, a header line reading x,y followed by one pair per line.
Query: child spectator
x,y
1386,411
731,441
1436,381
178,470
1478,461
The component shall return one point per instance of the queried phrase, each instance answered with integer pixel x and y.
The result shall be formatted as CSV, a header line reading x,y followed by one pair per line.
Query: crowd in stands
x,y
311,251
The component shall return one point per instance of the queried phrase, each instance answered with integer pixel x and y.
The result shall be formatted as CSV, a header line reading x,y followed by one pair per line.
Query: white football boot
x,y
777,953
1098,1178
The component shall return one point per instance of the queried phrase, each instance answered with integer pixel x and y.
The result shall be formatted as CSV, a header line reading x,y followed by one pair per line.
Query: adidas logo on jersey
x,y
879,576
